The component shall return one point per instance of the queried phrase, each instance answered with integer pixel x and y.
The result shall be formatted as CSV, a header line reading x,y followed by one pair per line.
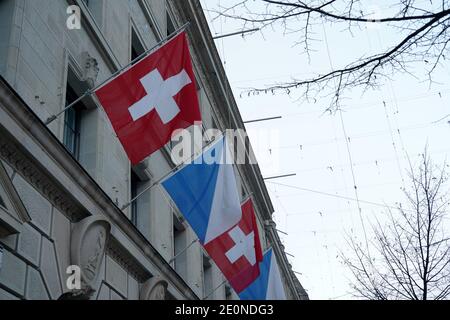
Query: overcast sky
x,y
376,130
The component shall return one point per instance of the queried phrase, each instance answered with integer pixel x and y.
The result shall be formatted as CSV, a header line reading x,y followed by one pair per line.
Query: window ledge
x,y
8,224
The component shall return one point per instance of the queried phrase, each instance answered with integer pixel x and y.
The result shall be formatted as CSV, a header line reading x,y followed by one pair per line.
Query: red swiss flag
x,y
152,99
237,252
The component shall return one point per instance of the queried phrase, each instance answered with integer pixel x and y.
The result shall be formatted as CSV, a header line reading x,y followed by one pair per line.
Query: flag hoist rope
x,y
116,73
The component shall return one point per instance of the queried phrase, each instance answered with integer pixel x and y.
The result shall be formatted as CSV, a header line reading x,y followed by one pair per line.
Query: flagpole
x,y
182,251
224,282
92,90
192,158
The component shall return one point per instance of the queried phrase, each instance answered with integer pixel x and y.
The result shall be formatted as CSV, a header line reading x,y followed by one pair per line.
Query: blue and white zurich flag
x,y
268,286
205,192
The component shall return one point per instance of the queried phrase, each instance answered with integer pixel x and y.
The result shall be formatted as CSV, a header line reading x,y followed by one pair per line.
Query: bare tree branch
x,y
412,259
423,38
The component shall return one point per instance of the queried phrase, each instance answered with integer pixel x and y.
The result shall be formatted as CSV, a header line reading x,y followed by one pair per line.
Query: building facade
x,y
65,186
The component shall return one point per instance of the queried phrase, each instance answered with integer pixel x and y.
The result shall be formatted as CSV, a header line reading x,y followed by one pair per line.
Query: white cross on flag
x,y
152,99
237,252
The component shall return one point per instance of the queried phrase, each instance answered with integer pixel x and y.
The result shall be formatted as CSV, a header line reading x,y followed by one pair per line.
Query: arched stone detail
x,y
154,289
88,245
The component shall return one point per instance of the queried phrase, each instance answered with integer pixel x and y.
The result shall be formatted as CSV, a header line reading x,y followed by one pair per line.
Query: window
x,y
179,247
137,48
243,192
207,278
170,25
228,293
80,126
136,186
140,208
72,123
134,192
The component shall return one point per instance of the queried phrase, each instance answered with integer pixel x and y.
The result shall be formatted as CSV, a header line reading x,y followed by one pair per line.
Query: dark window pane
x,y
2,203
136,46
134,192
72,119
170,26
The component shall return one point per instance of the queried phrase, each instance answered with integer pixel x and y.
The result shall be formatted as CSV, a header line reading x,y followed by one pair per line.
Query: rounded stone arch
x,y
154,289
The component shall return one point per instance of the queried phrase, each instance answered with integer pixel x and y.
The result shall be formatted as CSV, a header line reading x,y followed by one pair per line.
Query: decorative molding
x,y
32,172
90,69
122,256
88,246
154,289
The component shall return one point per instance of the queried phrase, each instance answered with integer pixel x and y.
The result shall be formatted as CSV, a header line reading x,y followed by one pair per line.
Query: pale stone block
x,y
100,278
104,293
35,286
31,56
4,295
55,28
37,206
115,296
29,244
61,235
116,276
10,241
194,261
12,273
217,277
161,225
49,268
29,77
133,288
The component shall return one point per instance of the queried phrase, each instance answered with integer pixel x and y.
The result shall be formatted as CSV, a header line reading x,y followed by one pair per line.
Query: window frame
x,y
74,127
135,38
207,270
134,179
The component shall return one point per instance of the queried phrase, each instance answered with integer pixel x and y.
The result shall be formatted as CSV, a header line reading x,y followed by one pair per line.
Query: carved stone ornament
x,y
90,69
154,289
33,173
88,246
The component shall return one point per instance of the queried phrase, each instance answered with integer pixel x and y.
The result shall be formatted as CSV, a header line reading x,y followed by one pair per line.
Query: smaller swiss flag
x,y
152,99
237,252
